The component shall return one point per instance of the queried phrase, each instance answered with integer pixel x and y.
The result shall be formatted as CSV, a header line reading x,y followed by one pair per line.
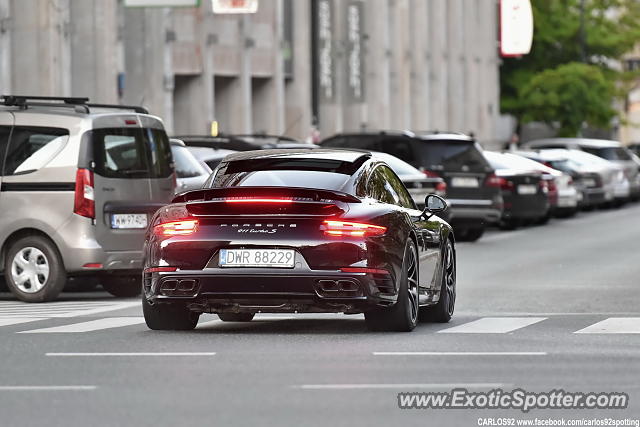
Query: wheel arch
x,y
19,234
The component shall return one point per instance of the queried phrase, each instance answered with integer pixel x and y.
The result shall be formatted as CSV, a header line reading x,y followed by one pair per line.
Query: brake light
x,y
357,229
498,182
176,228
282,200
441,188
160,269
430,174
83,202
363,270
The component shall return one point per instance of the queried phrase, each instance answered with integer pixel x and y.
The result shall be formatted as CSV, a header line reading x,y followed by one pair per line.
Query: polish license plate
x,y
279,258
527,189
129,221
589,182
468,182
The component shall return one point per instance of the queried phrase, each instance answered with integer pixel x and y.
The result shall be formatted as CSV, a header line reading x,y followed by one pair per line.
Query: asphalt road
x,y
540,308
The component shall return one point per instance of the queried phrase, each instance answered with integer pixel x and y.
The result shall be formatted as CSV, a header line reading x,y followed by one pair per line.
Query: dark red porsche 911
x,y
305,231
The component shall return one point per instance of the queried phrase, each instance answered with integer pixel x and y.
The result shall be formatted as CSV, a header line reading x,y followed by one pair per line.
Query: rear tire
x,y
403,315
33,269
122,286
236,317
443,310
166,317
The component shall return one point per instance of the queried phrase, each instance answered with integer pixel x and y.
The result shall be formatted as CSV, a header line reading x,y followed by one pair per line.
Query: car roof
x,y
424,135
306,153
243,142
584,142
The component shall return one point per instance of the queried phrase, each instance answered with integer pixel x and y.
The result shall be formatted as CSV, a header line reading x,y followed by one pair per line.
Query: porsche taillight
x,y
355,229
176,228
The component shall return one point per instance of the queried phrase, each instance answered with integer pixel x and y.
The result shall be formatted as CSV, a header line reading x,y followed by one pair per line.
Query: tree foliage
x,y
611,29
568,96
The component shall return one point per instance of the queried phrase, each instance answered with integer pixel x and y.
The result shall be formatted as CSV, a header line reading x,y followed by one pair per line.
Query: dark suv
x,y
473,191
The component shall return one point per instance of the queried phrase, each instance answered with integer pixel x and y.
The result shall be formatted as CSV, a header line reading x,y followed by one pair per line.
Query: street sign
x,y
516,27
162,3
234,6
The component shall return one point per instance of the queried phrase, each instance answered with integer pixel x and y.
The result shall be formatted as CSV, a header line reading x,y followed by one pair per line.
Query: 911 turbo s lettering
x,y
299,231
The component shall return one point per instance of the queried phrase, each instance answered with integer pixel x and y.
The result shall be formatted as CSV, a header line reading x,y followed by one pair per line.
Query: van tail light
x,y
441,188
84,202
357,229
176,228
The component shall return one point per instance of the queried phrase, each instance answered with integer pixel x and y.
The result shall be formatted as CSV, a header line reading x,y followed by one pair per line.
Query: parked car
x,y
472,188
289,231
418,185
612,151
209,156
190,172
604,180
79,184
568,197
524,190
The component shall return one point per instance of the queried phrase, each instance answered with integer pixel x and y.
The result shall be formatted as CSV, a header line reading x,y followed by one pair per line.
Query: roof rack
x,y
80,105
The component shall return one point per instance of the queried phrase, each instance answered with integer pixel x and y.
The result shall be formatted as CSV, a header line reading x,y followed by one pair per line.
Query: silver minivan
x,y
79,183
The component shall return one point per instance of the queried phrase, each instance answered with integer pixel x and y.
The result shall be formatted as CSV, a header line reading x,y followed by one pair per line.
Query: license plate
x,y
589,182
527,189
465,182
279,258
129,221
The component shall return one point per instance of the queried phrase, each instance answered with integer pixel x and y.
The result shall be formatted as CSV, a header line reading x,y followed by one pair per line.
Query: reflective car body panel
x,y
274,217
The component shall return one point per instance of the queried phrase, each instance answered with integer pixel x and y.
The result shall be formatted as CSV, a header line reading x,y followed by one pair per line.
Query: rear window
x,y
31,148
186,165
452,155
609,153
326,174
131,153
364,142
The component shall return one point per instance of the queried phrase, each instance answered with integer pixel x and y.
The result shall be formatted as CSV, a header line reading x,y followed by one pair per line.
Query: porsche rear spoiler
x,y
311,194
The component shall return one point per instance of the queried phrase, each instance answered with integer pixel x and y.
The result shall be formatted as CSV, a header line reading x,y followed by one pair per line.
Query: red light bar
x,y
92,265
160,269
357,229
176,228
363,270
258,200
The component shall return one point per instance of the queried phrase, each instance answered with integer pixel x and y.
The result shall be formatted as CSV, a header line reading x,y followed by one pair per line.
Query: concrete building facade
x,y
342,65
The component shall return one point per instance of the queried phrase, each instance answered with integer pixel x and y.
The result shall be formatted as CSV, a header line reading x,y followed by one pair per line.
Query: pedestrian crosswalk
x,y
61,309
470,326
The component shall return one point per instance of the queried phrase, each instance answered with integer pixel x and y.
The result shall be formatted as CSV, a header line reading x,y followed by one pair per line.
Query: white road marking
x,y
92,325
16,320
111,307
614,325
398,386
138,354
493,325
61,309
47,387
460,353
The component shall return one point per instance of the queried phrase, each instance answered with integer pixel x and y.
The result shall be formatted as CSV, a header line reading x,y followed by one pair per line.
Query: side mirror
x,y
433,204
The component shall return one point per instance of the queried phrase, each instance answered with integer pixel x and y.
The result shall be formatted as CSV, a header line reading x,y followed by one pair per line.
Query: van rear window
x,y
131,153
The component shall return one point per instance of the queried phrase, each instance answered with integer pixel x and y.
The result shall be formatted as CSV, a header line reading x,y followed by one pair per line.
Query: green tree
x,y
596,32
569,96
